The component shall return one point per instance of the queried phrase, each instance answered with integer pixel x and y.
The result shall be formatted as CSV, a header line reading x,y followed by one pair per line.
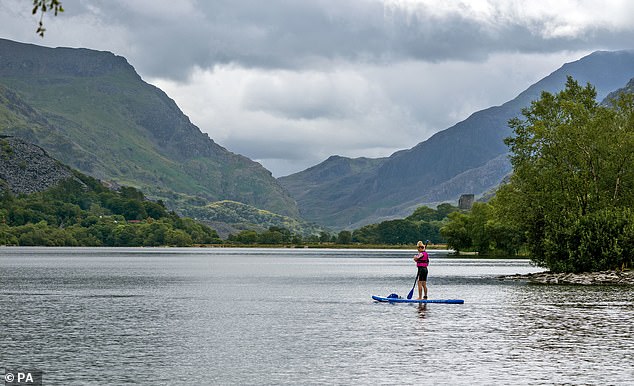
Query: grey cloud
x,y
289,83
298,96
310,34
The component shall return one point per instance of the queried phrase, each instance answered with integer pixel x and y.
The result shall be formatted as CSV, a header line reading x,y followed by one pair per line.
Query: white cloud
x,y
548,19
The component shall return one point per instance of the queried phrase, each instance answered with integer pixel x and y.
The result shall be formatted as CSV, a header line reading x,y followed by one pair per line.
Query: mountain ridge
x,y
408,176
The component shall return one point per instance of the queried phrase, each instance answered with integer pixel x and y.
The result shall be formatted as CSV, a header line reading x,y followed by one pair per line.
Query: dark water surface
x,y
296,316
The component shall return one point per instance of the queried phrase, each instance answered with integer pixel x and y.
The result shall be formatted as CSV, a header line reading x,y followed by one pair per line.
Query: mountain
x,y
332,181
629,88
468,157
92,111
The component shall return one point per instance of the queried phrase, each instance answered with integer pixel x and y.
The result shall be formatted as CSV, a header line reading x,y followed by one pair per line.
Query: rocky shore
x,y
586,278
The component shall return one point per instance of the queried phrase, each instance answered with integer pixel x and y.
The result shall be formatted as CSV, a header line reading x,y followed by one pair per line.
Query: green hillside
x,y
92,111
245,217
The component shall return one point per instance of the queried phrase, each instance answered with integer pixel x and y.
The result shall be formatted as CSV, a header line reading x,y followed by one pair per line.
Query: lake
x,y
301,316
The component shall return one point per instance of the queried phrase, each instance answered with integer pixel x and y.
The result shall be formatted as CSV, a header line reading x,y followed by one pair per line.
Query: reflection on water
x,y
422,308
236,316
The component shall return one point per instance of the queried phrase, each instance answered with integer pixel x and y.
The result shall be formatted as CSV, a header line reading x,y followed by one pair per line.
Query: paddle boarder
x,y
422,261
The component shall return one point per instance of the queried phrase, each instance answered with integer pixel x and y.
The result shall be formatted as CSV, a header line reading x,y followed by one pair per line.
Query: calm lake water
x,y
294,316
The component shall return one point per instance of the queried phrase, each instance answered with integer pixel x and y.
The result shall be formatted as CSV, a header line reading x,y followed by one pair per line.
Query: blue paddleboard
x,y
401,300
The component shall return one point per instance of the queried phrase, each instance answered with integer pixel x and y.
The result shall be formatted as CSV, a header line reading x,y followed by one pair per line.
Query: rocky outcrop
x,y
27,168
586,278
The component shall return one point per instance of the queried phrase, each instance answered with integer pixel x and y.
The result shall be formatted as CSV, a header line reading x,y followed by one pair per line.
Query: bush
x,y
603,240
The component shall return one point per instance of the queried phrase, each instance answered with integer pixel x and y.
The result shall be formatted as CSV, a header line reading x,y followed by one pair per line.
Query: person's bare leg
x,y
420,289
424,285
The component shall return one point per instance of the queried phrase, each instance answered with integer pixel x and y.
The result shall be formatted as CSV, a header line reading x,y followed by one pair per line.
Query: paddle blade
x,y
411,292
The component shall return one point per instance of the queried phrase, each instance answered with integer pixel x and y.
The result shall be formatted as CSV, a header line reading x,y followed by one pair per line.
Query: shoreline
x,y
586,278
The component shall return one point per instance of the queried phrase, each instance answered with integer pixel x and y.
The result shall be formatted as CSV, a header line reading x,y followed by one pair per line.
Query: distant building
x,y
466,201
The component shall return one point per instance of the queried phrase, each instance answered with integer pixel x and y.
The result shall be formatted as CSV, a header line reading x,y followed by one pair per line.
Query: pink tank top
x,y
423,259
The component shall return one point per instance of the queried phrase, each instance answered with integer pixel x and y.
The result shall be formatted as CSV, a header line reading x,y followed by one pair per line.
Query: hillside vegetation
x,y
80,211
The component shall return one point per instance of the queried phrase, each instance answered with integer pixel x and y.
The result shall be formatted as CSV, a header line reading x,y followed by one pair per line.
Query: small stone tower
x,y
466,201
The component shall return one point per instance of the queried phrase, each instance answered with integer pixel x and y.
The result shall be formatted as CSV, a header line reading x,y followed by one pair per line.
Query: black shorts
x,y
422,273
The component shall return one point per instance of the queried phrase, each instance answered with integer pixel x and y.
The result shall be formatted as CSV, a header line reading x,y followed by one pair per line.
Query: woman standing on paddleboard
x,y
422,261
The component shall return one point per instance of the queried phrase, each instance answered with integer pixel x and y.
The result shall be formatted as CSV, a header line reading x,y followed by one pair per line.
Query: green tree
x,y
131,193
456,231
324,237
133,210
571,158
247,237
177,238
443,210
126,236
271,237
6,236
154,209
366,235
344,237
478,219
423,213
399,232
156,233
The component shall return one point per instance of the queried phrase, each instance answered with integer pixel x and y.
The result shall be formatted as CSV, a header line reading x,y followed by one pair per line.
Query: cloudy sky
x,y
288,83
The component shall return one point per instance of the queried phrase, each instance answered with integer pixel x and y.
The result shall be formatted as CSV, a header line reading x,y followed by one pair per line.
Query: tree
x,y
324,237
443,210
247,237
154,210
366,234
344,237
271,237
423,213
456,231
399,232
178,238
571,159
6,236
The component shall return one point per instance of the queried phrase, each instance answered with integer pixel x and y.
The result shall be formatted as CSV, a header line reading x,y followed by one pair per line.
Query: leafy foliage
x,y
82,212
424,224
479,230
568,200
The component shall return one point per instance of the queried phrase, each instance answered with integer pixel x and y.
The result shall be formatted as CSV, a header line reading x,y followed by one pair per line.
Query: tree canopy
x,y
573,181
568,200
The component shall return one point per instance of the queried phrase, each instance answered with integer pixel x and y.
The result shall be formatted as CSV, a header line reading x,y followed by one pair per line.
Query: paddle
x,y
411,292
